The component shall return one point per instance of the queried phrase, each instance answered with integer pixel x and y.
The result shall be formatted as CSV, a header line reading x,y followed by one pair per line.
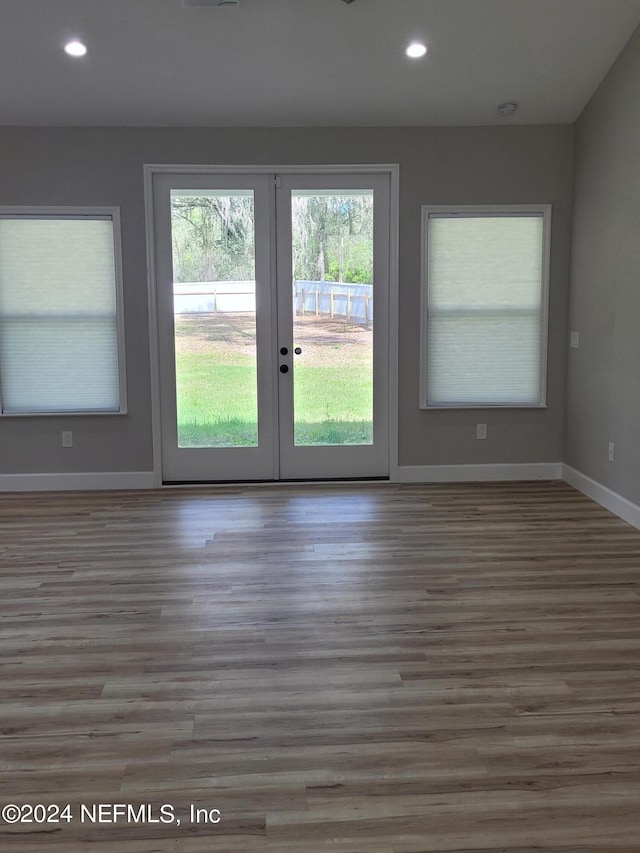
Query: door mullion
x,y
274,181
284,283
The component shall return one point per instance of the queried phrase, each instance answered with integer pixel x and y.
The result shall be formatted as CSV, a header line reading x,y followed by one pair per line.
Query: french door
x,y
272,296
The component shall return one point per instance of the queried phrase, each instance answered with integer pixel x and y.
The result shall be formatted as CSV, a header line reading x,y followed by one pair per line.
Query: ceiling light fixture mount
x,y
208,4
507,109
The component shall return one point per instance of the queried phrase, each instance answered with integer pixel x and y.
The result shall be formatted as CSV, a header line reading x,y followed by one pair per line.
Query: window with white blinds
x,y
484,317
61,342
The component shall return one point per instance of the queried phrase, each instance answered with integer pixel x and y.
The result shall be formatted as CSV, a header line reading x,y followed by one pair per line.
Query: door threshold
x,y
301,482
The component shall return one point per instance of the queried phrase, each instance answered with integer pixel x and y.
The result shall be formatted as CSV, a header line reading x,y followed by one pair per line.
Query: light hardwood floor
x,y
337,669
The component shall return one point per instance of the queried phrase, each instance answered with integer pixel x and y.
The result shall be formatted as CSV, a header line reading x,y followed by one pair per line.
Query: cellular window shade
x,y
58,319
484,321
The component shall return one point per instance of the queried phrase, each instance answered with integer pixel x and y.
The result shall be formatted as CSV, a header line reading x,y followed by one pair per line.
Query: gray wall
x,y
493,165
603,399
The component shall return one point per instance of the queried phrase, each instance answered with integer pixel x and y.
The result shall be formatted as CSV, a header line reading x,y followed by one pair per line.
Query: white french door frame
x,y
151,170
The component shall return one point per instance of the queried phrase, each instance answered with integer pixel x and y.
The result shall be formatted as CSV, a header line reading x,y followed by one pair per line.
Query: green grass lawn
x,y
217,402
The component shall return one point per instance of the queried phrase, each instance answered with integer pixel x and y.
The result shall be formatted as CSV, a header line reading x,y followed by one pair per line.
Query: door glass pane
x,y
333,316
214,302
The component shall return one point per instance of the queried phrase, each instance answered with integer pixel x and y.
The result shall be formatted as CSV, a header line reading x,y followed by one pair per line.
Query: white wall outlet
x,y
612,451
574,341
481,430
67,438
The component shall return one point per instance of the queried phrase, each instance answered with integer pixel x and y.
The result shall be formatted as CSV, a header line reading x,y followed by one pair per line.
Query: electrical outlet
x,y
67,438
612,451
574,340
481,430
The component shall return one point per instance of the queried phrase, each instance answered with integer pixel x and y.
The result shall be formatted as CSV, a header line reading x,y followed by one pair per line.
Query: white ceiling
x,y
306,62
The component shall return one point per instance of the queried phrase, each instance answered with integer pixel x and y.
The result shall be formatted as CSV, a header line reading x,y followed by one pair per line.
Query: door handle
x,y
284,351
284,368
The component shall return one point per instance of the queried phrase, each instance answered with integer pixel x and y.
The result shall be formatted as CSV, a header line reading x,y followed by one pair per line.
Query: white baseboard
x,y
607,498
76,482
478,473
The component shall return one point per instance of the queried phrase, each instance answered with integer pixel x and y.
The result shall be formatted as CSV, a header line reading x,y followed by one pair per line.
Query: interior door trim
x,y
150,170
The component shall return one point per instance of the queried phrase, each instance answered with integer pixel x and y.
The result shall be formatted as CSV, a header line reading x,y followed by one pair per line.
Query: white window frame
x,y
79,213
495,210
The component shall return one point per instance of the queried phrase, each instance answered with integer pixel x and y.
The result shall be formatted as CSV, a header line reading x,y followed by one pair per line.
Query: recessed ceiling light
x,y
75,48
416,49
507,109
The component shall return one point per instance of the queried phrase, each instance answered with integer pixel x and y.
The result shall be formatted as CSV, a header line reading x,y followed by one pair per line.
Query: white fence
x,y
351,302
211,297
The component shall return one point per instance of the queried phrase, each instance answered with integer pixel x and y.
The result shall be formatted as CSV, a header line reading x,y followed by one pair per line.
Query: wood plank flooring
x,y
336,669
